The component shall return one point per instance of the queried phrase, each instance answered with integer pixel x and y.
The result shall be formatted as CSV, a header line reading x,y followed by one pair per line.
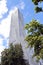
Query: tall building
x,y
17,27
17,35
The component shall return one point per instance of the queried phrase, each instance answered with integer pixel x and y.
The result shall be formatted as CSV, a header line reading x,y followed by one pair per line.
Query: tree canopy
x,y
35,37
36,3
13,56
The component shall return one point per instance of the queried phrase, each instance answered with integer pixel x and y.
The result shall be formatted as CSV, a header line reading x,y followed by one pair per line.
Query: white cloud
x,y
7,42
4,30
22,5
1,46
1,41
5,25
3,7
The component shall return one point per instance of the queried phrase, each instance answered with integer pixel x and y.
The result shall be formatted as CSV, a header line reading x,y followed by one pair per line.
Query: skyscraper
x,y
17,34
17,27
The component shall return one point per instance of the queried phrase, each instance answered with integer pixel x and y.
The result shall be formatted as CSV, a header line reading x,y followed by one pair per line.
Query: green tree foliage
x,y
13,55
37,8
35,37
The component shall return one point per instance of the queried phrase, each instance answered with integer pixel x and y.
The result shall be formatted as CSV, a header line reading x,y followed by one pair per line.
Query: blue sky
x,y
6,8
